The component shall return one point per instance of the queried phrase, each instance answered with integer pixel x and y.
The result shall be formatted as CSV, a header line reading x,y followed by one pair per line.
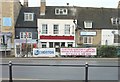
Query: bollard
x,y
86,72
10,71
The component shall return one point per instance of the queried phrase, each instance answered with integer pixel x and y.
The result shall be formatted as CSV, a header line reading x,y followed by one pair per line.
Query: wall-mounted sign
x,y
7,21
44,52
87,33
78,51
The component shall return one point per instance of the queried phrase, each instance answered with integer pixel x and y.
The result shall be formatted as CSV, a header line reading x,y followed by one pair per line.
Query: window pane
x,y
55,29
67,29
51,44
44,28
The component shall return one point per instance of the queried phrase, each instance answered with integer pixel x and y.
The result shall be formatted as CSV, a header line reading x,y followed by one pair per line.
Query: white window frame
x,y
55,30
88,42
44,29
28,16
88,24
61,11
115,21
67,29
23,35
116,38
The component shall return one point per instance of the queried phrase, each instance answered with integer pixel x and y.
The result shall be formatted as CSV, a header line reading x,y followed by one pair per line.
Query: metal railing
x,y
86,68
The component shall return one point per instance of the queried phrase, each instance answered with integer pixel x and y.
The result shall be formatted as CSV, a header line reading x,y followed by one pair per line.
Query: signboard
x,y
7,21
78,51
87,33
44,52
24,41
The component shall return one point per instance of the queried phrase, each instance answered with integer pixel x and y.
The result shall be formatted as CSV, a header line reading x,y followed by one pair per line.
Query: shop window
x,y
70,44
18,49
44,44
57,44
50,44
62,44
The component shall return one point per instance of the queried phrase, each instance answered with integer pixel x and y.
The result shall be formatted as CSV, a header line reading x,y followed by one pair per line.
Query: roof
x,y
101,17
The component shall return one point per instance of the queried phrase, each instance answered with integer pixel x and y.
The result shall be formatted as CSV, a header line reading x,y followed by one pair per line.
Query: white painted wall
x,y
108,35
60,22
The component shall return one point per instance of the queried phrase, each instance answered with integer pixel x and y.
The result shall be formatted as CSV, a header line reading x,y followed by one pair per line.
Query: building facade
x,y
64,26
10,12
56,33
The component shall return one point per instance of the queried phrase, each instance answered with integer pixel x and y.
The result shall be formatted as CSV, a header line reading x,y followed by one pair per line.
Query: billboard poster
x,y
78,51
43,52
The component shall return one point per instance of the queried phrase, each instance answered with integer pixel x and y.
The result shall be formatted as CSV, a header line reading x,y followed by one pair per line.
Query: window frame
x,y
67,29
55,31
61,11
28,16
88,24
23,35
87,40
44,29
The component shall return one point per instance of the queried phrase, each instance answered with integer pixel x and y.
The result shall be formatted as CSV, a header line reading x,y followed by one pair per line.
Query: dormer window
x,y
28,16
87,24
115,21
61,11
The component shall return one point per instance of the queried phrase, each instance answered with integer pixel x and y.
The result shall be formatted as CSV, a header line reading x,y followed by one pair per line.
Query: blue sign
x,y
7,21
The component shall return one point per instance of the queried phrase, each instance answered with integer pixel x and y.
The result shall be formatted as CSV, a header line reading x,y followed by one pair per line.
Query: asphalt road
x,y
62,74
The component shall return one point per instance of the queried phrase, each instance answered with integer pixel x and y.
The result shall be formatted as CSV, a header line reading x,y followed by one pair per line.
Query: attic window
x,y
115,21
87,24
28,16
61,11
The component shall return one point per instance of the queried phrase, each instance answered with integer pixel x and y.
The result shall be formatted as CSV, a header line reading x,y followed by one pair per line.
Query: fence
x,y
86,68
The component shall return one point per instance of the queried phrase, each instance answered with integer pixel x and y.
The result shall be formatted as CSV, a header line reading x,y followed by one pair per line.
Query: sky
x,y
81,3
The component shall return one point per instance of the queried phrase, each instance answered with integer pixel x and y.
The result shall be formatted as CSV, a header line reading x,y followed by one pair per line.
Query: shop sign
x,y
87,33
44,52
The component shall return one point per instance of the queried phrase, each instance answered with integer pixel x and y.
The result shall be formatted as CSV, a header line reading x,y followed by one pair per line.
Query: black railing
x,y
86,68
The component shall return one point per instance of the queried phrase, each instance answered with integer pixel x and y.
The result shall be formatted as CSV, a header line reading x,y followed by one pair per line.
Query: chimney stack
x,y
119,4
43,7
25,3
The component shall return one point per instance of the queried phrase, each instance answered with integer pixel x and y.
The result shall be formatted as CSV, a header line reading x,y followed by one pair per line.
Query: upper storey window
x,y
115,21
88,24
28,16
61,11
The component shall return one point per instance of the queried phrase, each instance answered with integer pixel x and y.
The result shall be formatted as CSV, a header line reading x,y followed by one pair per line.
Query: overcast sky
x,y
82,3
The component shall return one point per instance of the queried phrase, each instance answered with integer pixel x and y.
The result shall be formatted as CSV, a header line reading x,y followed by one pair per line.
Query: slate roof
x,y
101,17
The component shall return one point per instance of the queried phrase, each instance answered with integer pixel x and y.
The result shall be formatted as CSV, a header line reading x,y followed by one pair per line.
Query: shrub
x,y
107,51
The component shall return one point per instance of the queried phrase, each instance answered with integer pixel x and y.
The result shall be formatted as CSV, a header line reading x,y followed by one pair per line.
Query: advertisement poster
x,y
44,52
78,51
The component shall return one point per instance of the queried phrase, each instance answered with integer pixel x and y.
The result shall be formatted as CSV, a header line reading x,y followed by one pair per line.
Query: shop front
x,y
24,48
